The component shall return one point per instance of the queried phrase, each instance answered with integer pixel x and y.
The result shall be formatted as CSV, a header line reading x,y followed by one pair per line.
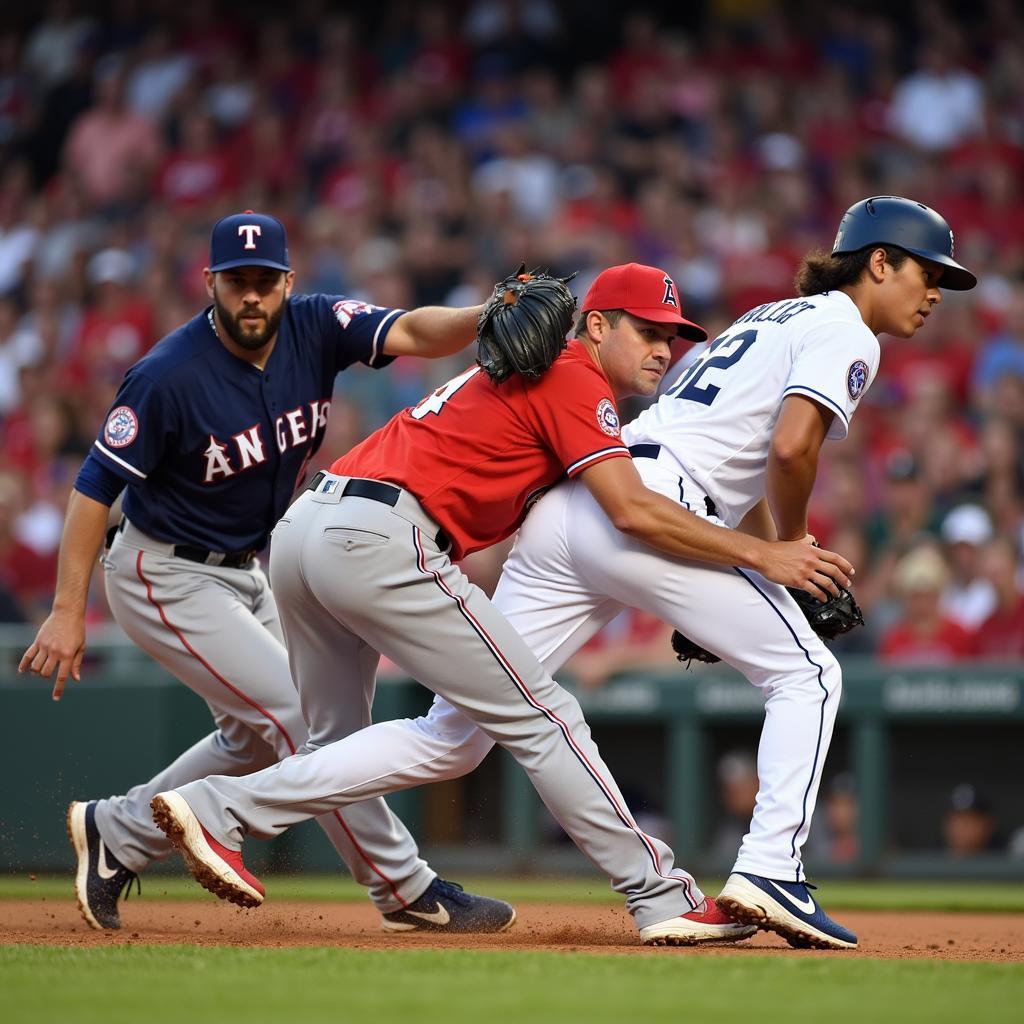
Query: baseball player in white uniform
x,y
736,440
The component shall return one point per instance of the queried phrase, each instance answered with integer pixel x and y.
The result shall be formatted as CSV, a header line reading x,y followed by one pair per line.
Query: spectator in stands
x,y
923,635
18,347
111,151
1003,353
905,511
969,597
1001,635
968,826
18,235
117,328
834,838
937,84
26,577
736,774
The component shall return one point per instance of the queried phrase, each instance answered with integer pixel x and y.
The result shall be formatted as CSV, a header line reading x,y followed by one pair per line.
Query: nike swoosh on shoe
x,y
439,917
807,906
103,869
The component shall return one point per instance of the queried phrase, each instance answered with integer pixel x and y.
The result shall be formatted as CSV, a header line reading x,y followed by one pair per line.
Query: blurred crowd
x,y
421,151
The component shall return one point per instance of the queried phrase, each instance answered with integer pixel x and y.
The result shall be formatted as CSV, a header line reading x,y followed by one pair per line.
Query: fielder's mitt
x,y
686,650
522,328
830,618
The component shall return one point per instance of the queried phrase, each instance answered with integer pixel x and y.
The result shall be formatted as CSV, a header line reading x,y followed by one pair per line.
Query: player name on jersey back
x,y
718,416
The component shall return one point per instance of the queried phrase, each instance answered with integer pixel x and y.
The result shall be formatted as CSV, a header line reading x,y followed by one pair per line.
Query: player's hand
x,y
798,564
60,644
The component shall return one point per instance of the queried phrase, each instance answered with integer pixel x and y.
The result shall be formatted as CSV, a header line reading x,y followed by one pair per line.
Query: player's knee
x,y
464,745
244,749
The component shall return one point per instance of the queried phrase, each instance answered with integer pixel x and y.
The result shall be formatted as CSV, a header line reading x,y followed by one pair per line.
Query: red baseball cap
x,y
646,292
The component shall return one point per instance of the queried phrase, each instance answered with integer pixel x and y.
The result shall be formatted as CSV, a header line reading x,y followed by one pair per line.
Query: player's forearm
x,y
788,485
432,331
661,523
85,526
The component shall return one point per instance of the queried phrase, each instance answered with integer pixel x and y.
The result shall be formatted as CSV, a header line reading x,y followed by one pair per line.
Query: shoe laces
x,y
452,891
126,888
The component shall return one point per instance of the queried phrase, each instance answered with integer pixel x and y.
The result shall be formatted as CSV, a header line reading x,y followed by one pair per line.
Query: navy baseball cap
x,y
248,240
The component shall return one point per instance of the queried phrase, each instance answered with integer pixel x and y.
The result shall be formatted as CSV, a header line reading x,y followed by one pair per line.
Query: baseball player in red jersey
x,y
362,564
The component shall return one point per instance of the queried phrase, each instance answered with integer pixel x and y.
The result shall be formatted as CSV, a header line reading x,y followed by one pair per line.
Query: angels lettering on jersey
x,y
248,448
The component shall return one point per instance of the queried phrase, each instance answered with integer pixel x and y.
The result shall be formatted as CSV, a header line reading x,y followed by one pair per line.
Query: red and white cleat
x,y
708,924
213,865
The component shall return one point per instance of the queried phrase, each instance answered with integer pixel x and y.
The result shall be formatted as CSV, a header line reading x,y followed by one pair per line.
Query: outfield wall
x,y
907,737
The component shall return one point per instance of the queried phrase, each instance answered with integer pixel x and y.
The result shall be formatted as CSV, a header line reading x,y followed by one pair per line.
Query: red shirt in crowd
x,y
906,644
1001,635
476,454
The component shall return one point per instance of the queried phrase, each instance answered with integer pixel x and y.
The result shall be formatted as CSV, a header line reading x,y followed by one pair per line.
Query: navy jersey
x,y
211,447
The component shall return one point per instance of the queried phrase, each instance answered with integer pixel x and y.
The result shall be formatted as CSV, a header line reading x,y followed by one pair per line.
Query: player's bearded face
x,y
251,315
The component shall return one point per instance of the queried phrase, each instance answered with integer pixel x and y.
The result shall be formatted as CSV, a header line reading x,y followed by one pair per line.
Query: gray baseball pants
x,y
355,577
217,630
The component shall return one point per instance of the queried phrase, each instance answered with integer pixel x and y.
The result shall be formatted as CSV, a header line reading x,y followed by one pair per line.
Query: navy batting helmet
x,y
905,224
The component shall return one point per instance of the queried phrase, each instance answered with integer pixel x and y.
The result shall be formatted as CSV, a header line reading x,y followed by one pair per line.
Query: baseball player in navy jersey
x,y
364,562
736,441
208,437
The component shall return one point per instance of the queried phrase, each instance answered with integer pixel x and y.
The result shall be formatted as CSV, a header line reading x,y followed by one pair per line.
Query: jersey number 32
x,y
722,353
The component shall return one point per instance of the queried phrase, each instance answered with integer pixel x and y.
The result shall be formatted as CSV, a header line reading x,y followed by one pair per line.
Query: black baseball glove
x,y
686,650
828,619
523,327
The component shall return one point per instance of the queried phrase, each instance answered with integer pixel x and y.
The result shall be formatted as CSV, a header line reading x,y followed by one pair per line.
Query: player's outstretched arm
x,y
432,331
60,642
656,520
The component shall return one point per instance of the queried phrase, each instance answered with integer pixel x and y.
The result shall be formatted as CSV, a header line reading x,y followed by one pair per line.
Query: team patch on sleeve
x,y
857,378
348,309
122,427
608,418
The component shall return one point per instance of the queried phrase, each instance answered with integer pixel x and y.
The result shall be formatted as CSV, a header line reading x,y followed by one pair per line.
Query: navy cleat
x,y
447,907
787,908
101,877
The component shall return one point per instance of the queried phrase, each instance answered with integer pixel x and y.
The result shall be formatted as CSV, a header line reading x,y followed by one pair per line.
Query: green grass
x,y
836,895
175,983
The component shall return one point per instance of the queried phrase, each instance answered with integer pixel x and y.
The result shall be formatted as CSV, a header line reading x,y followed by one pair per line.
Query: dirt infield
x,y
541,927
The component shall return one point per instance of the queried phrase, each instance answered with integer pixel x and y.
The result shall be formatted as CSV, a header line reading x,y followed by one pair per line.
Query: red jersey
x,y
476,453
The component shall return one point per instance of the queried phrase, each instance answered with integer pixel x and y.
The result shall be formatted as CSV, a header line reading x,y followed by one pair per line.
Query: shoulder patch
x,y
122,427
857,378
346,310
607,417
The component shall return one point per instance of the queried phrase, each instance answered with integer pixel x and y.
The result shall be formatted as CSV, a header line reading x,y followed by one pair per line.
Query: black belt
x,y
645,451
386,494
230,559
227,560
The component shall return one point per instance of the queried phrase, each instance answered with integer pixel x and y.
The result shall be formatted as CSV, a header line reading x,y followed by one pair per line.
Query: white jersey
x,y
717,419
